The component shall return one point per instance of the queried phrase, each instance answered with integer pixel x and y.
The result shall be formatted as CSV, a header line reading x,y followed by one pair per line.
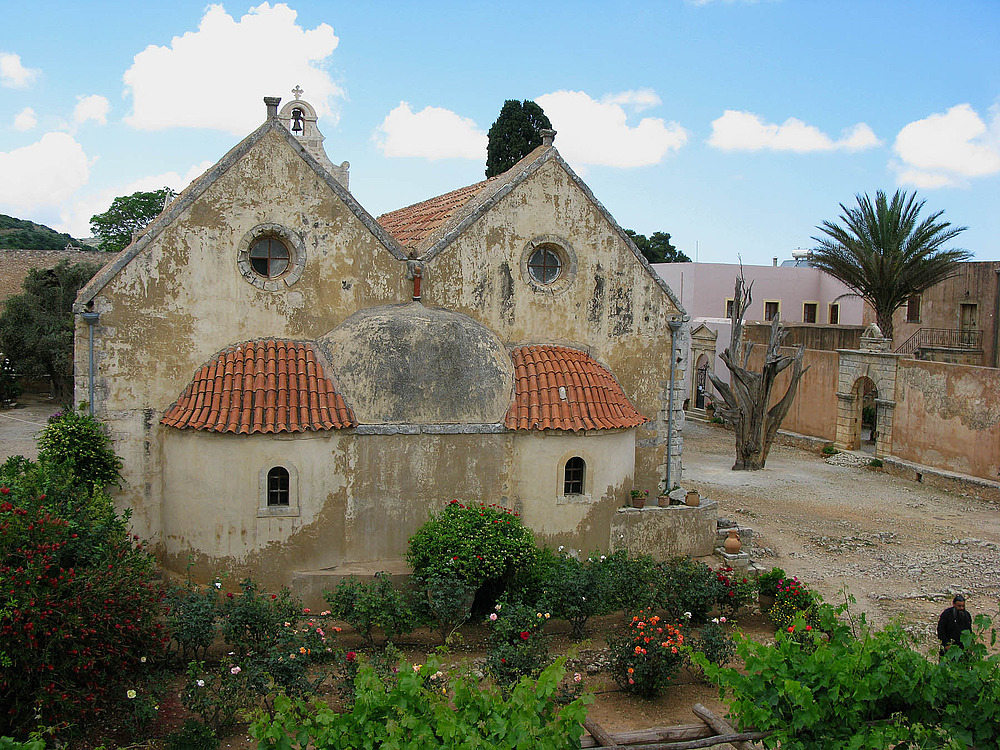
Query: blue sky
x,y
735,126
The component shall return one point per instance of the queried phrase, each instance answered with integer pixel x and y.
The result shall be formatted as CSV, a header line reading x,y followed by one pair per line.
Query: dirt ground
x,y
899,547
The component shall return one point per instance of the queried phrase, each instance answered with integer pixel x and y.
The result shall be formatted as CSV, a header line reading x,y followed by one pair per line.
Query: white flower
x,y
142,659
584,598
235,670
497,608
493,616
603,558
715,620
131,694
416,667
560,548
218,584
577,677
687,615
200,683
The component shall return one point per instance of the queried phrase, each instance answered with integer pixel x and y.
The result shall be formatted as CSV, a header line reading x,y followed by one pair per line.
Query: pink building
x,y
797,294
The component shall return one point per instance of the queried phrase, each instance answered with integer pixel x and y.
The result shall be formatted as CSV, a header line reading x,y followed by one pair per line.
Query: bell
x,y
297,121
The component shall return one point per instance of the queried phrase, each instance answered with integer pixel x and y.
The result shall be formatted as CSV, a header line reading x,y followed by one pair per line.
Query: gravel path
x,y
900,547
19,427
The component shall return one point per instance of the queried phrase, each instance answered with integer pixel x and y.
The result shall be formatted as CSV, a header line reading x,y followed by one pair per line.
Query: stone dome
x,y
410,364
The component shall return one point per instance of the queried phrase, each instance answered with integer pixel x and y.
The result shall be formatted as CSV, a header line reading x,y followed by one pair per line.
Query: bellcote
x,y
299,117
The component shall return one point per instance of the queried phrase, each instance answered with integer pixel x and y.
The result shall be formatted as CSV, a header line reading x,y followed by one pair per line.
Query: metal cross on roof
x,y
297,91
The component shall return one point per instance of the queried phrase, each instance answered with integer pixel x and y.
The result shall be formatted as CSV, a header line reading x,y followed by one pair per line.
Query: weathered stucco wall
x,y
580,522
182,299
948,416
814,410
611,307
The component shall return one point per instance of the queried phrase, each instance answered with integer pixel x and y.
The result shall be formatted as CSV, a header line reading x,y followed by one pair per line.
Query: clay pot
x,y
692,498
732,544
663,501
639,502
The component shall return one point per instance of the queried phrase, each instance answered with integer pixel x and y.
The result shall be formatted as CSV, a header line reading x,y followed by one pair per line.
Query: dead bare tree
x,y
748,394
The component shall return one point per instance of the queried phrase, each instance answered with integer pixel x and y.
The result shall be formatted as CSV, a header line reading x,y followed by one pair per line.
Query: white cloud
x,y
639,99
947,149
75,218
42,174
217,76
431,133
13,75
745,131
25,119
597,133
93,107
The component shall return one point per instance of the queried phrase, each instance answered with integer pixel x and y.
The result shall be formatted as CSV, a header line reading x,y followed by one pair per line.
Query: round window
x,y
544,265
269,257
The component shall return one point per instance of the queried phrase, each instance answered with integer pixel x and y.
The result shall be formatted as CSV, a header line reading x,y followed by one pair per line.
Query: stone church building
x,y
294,384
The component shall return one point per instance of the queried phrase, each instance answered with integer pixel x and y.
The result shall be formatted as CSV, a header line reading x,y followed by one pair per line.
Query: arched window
x,y
574,475
277,486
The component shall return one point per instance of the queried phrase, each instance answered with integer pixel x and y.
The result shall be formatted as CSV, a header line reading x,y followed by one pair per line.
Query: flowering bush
x,y
793,599
647,656
415,709
632,582
192,619
252,620
734,591
448,602
484,545
517,646
81,610
217,695
767,583
367,605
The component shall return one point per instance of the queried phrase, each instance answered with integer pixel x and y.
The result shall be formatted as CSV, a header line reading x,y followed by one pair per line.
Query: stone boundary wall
x,y
948,416
814,410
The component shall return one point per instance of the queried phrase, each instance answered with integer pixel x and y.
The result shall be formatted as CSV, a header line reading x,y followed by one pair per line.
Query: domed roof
x,y
410,364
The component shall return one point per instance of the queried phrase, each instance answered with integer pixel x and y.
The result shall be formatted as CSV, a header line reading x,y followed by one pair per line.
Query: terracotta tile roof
x,y
591,400
411,225
261,386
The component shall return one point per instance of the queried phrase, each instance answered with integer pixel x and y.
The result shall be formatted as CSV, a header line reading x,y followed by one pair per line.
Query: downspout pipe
x,y
675,325
92,318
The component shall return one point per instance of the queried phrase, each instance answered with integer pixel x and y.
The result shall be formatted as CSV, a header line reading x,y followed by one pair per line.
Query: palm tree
x,y
881,251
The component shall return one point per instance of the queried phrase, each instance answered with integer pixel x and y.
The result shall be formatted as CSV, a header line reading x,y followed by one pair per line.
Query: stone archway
x,y
864,393
703,340
860,373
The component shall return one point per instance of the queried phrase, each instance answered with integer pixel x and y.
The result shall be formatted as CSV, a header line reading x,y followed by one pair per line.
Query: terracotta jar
x,y
732,545
692,498
663,500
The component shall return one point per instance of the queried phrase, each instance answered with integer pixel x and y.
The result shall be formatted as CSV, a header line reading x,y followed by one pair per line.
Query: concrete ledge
x,y
952,481
666,532
309,585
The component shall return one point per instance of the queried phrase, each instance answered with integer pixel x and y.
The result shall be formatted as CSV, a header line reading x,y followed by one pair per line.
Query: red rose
x,y
525,635
350,656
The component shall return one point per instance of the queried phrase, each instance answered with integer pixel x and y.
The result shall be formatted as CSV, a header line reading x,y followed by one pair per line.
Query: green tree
x,y
514,135
657,248
127,215
885,253
36,326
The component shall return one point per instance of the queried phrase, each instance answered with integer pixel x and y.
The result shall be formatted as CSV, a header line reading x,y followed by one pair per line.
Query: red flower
x,y
350,656
525,635
5,490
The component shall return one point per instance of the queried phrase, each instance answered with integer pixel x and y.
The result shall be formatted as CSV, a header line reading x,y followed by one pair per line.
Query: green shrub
x,y
714,643
767,583
734,591
192,620
10,386
646,656
687,589
484,545
876,463
193,736
576,590
80,441
366,605
81,613
517,646
448,600
632,582
218,695
414,711
829,450
9,743
252,620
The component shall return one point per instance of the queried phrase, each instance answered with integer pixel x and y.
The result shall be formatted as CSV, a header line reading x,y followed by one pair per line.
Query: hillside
x,y
21,234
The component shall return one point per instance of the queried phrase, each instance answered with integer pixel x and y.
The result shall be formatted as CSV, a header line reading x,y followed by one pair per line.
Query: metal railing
x,y
944,338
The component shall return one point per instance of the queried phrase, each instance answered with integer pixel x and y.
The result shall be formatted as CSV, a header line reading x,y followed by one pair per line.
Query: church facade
x,y
294,384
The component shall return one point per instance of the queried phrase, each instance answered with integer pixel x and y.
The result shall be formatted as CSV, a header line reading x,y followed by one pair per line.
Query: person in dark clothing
x,y
952,622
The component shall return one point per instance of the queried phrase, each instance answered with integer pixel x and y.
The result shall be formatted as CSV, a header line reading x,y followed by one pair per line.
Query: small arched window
x,y
574,475
277,486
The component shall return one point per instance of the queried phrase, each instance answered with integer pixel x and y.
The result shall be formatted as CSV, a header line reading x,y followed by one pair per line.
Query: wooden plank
x,y
657,734
713,741
597,732
720,725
